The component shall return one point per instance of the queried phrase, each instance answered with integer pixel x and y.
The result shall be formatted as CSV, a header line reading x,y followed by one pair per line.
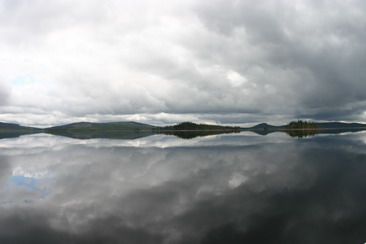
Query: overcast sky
x,y
161,62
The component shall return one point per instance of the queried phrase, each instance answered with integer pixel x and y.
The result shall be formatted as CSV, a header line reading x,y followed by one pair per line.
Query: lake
x,y
229,188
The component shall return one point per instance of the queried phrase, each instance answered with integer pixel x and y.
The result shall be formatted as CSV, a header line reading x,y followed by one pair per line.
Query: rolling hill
x,y
9,130
340,125
9,127
265,126
112,126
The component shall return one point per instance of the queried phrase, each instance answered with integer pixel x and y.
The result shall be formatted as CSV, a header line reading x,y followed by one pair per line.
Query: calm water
x,y
239,188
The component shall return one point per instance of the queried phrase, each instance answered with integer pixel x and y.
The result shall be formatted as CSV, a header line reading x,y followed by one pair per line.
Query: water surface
x,y
236,188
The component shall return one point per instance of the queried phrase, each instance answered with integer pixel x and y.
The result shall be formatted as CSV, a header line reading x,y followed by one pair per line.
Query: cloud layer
x,y
222,61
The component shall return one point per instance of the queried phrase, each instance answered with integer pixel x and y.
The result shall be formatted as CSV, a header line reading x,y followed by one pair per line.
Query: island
x,y
189,130
302,125
302,128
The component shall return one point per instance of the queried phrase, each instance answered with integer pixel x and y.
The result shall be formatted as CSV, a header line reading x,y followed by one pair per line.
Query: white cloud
x,y
180,57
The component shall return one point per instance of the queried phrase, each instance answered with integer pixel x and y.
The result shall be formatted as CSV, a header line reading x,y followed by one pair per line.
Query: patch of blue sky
x,y
22,80
29,183
24,181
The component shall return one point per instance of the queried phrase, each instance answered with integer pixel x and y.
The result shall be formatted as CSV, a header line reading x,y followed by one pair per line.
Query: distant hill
x,y
9,126
112,126
9,130
112,130
340,125
265,126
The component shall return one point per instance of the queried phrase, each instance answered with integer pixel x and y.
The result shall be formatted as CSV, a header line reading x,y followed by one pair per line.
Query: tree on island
x,y
302,125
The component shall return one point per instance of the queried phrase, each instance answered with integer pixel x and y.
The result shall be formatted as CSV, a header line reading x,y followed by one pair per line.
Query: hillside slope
x,y
9,130
112,126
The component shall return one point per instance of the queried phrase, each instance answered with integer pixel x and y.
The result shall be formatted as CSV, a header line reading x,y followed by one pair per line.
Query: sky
x,y
168,61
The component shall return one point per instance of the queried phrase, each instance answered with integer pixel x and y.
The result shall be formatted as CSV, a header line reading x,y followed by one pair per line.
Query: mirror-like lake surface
x,y
237,188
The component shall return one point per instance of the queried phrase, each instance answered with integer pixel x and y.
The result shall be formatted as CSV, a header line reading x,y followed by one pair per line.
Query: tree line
x,y
192,126
302,125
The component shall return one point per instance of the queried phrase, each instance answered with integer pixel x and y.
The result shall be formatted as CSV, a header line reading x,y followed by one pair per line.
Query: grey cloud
x,y
324,51
353,112
277,58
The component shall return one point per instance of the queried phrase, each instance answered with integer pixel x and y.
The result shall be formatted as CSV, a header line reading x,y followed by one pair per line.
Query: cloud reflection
x,y
278,190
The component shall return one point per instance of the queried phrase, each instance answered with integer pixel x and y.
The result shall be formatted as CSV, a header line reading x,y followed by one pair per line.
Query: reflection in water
x,y
302,133
129,135
196,133
188,134
224,189
123,135
11,134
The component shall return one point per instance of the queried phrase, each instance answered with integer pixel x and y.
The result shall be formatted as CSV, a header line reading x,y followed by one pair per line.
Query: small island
x,y
302,125
302,129
189,126
189,130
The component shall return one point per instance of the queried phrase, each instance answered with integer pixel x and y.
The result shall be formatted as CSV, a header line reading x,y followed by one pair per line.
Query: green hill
x,y
15,127
112,130
9,130
9,127
265,126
